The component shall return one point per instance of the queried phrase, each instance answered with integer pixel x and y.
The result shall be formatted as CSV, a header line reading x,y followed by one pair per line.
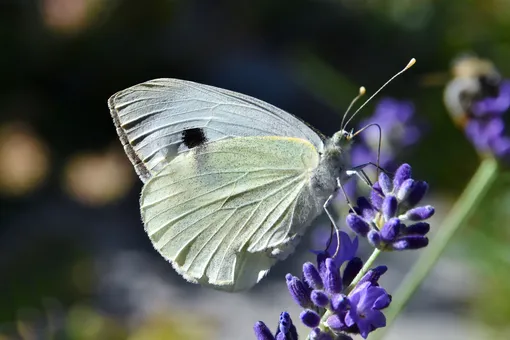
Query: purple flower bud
x,y
351,270
339,303
389,207
376,196
298,290
262,332
402,174
336,323
374,238
410,242
286,328
382,302
405,189
321,262
312,276
420,228
420,213
319,298
310,318
332,279
418,191
385,183
390,230
373,275
366,209
357,224
317,334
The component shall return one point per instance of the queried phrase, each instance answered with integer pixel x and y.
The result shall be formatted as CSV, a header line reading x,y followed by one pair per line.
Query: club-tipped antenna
x,y
409,65
362,92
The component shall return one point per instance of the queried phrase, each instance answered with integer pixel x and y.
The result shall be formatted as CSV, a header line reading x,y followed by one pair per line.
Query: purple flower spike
x,y
385,183
262,332
351,270
299,291
357,224
319,298
390,230
373,275
402,174
389,207
310,318
312,276
332,279
362,312
410,242
374,238
420,213
420,228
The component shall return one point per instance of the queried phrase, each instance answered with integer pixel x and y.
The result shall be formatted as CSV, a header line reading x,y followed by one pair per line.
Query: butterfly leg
x,y
333,223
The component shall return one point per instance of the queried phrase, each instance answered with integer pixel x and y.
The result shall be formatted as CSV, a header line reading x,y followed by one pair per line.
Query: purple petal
x,y
317,334
382,302
348,248
339,303
377,319
367,210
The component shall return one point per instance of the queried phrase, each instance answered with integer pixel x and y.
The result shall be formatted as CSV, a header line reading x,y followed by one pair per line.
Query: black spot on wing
x,y
193,137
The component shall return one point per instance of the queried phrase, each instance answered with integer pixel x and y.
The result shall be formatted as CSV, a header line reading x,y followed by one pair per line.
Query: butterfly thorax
x,y
334,162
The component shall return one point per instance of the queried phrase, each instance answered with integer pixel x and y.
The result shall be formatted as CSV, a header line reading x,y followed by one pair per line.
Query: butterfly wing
x,y
161,118
224,213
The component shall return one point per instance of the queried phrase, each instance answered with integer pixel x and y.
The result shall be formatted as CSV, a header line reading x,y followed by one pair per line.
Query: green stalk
x,y
458,217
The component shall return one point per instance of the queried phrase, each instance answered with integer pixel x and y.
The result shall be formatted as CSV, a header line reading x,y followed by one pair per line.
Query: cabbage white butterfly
x,y
231,183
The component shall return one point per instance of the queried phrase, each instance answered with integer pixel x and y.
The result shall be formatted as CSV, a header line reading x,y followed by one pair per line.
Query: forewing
x,y
160,118
225,212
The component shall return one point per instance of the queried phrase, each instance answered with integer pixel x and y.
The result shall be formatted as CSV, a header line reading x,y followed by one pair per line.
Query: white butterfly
x,y
230,182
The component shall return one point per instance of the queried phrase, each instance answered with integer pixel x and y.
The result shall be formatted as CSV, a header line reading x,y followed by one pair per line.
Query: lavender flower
x,y
486,128
393,203
351,310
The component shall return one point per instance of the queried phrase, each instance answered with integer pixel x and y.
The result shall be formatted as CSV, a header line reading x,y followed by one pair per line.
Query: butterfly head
x,y
342,138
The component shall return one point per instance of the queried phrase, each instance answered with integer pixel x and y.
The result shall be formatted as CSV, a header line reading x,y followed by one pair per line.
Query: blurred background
x,y
75,262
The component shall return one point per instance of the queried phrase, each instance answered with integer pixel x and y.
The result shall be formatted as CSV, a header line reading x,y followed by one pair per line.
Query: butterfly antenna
x,y
362,91
409,65
378,144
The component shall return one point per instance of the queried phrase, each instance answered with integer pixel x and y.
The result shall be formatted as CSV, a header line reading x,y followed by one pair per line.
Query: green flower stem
x,y
361,273
463,209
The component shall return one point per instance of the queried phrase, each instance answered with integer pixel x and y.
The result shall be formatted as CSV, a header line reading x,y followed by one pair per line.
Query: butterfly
x,y
231,183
